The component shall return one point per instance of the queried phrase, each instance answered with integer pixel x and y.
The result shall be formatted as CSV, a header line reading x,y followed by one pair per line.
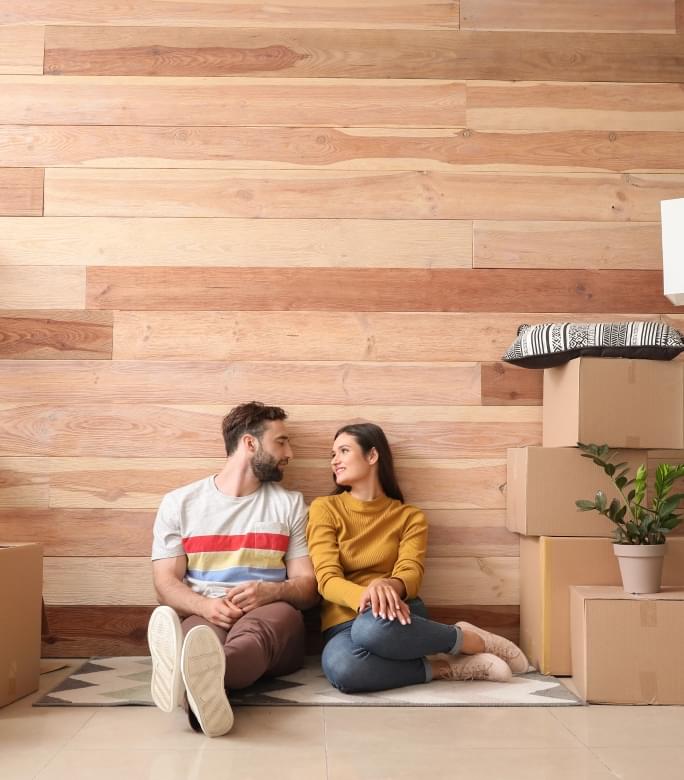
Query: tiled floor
x,y
574,743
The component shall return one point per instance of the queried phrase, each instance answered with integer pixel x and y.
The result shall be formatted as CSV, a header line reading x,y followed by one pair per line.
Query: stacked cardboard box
x,y
635,406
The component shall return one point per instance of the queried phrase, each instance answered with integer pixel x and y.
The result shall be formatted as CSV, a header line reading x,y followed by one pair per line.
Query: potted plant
x,y
640,528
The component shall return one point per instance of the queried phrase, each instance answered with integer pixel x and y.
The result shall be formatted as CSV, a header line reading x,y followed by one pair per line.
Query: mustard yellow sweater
x,y
353,542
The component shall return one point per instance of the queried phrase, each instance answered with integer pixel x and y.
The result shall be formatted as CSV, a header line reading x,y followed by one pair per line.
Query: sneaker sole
x,y
203,665
165,638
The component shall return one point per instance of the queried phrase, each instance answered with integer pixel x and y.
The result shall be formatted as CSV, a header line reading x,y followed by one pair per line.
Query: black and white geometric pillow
x,y
551,344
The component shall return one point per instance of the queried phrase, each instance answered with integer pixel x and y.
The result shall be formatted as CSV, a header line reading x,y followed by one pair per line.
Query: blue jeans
x,y
374,654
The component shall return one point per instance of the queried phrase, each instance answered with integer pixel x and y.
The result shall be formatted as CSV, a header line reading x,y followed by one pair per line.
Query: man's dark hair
x,y
248,418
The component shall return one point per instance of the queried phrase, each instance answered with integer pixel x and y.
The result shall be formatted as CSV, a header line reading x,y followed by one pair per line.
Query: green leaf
x,y
584,506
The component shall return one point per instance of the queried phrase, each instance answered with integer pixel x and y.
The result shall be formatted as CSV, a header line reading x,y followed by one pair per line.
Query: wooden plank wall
x,y
346,209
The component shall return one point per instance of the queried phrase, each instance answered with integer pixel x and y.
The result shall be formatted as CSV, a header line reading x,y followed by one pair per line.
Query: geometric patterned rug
x,y
125,681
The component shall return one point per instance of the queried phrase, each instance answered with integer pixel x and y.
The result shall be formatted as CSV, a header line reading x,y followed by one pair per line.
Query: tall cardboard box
x,y
627,649
21,588
543,484
638,404
548,567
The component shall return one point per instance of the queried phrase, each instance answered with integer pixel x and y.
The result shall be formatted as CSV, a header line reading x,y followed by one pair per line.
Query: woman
x,y
368,549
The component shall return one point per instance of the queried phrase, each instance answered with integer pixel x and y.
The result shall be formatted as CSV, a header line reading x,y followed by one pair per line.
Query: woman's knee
x,y
372,633
343,669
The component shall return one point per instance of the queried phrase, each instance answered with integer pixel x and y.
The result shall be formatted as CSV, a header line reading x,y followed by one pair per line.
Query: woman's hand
x,y
384,600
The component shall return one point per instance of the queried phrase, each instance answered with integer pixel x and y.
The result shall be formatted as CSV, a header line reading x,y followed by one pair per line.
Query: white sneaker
x,y
165,638
481,666
501,647
203,666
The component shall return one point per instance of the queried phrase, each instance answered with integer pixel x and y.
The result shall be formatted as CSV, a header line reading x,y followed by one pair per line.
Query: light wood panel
x,y
606,16
178,102
276,243
21,49
288,335
349,194
24,482
505,384
591,245
580,106
276,148
169,431
119,483
56,334
680,15
458,533
21,192
40,287
471,581
363,54
413,14
457,289
401,384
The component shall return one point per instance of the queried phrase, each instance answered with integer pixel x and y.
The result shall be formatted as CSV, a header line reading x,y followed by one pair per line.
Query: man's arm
x,y
172,591
299,589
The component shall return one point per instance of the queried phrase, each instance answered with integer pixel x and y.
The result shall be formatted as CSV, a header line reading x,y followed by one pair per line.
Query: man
x,y
230,554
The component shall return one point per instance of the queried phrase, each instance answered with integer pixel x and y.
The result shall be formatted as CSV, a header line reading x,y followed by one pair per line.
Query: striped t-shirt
x,y
228,539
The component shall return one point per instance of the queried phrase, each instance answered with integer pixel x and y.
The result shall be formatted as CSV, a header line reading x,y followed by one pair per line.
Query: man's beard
x,y
265,467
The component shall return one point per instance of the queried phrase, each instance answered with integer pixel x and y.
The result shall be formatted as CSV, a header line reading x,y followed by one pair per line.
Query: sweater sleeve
x,y
410,564
325,556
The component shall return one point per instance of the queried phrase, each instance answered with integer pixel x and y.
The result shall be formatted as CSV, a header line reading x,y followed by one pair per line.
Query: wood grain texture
x,y
635,16
276,243
128,581
167,431
579,245
220,148
353,194
52,335
24,482
400,384
130,483
457,289
21,192
580,106
413,14
679,12
21,49
41,287
326,335
505,384
426,54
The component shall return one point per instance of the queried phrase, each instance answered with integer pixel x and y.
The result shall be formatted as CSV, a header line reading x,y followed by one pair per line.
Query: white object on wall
x,y
672,213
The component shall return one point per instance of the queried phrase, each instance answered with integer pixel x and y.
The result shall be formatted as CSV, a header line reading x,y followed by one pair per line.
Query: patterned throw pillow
x,y
551,344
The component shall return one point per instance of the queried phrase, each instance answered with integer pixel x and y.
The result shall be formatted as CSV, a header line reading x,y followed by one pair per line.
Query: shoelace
x,y
475,671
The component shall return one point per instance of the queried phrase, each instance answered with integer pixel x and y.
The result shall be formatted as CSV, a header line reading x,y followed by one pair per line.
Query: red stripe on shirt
x,y
218,543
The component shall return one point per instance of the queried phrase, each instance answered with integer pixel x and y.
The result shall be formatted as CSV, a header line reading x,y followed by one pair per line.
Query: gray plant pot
x,y
641,566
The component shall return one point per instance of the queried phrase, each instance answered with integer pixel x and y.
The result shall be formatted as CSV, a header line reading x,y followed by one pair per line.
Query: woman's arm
x,y
410,565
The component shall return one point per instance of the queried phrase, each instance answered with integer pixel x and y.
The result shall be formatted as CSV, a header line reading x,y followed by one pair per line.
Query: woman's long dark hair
x,y
367,436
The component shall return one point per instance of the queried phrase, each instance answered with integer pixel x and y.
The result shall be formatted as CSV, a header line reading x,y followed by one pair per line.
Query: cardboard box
x,y
548,567
21,587
637,404
543,484
627,649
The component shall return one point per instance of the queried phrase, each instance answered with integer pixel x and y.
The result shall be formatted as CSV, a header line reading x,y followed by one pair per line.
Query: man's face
x,y
273,452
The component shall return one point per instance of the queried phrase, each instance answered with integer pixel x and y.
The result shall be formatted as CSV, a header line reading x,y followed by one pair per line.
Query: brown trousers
x,y
269,640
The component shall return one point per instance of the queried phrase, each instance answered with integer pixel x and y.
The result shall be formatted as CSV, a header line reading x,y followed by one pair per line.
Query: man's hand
x,y
221,612
382,597
250,595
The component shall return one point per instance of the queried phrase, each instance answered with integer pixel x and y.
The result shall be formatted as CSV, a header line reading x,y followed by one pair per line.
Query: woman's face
x,y
349,463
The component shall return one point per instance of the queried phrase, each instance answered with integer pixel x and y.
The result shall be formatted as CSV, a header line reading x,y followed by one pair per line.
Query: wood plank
x,y
21,192
21,49
24,482
500,619
469,533
400,384
506,384
459,289
128,581
167,51
412,14
83,532
580,106
51,335
635,16
262,243
169,431
312,335
178,102
588,245
363,194
120,483
354,148
41,287
679,12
